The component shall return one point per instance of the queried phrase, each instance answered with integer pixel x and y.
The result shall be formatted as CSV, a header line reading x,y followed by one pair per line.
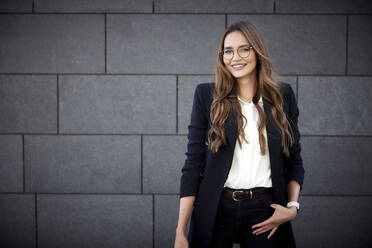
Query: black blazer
x,y
204,173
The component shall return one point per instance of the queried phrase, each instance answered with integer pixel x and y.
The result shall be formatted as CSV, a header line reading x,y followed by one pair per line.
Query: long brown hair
x,y
226,88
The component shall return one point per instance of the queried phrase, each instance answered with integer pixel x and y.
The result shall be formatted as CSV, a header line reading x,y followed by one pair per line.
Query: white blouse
x,y
249,168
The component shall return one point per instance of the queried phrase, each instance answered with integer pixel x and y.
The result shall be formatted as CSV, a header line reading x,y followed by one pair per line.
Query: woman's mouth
x,y
238,67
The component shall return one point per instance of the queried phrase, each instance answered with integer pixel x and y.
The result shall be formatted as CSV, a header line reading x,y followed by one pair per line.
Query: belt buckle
x,y
250,194
233,194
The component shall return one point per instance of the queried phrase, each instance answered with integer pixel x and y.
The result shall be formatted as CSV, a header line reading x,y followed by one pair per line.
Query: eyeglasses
x,y
242,52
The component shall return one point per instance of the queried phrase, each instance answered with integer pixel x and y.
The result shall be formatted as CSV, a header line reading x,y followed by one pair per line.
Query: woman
x,y
243,172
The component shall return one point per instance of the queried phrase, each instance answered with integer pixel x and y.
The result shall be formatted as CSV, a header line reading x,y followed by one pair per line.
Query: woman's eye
x,y
228,51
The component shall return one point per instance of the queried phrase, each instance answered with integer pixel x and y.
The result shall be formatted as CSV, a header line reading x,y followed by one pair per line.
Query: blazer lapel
x,y
273,132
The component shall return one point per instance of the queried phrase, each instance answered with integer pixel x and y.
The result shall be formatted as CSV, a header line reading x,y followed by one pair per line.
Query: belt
x,y
245,194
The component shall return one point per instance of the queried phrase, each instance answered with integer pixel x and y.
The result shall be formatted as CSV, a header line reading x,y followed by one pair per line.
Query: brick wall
x,y
95,99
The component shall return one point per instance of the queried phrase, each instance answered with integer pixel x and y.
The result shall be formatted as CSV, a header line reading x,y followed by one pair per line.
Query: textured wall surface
x,y
96,97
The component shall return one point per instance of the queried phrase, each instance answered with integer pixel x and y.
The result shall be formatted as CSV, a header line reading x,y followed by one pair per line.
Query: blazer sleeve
x,y
192,170
294,164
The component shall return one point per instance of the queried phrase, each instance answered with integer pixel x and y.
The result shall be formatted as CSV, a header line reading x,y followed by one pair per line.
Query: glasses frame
x,y
222,52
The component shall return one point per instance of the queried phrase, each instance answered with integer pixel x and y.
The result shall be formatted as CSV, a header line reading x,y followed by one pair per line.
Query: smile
x,y
238,66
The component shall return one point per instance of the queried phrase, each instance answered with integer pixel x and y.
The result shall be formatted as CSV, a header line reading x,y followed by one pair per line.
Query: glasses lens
x,y
228,53
244,52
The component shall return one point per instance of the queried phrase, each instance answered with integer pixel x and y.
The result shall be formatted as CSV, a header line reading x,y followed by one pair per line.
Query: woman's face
x,y
239,67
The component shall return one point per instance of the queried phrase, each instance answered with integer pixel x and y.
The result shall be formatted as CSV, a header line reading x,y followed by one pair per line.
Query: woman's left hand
x,y
281,214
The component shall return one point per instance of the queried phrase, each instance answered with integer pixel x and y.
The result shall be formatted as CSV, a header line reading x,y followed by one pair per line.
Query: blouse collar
x,y
249,103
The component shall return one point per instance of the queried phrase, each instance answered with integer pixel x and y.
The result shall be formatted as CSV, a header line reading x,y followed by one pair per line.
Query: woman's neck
x,y
247,87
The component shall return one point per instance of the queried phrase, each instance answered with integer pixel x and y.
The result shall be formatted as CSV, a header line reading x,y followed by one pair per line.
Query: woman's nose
x,y
236,56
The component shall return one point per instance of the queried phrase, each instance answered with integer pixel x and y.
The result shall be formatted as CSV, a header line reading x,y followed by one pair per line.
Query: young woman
x,y
243,172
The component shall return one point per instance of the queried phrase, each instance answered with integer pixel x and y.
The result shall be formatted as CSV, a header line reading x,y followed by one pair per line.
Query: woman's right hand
x,y
181,241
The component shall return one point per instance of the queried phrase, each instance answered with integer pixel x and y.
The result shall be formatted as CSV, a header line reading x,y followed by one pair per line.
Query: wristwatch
x,y
293,203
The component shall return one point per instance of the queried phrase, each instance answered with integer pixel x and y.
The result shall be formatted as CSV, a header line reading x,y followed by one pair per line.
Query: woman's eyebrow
x,y
238,47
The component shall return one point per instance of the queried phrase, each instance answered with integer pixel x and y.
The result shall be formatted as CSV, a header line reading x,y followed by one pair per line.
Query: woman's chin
x,y
240,74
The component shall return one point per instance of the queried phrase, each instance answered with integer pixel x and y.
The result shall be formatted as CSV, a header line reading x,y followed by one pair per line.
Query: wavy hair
x,y
225,95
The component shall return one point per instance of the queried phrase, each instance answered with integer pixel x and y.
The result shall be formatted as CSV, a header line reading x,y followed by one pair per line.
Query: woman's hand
x,y
281,214
181,240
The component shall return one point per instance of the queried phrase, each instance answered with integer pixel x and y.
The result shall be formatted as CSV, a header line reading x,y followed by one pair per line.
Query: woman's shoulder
x,y
205,90
205,87
287,91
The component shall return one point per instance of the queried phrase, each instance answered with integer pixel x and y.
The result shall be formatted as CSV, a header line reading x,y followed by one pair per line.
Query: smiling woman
x,y
243,172
243,52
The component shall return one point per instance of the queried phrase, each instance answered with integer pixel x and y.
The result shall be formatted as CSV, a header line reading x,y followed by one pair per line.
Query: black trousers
x,y
235,219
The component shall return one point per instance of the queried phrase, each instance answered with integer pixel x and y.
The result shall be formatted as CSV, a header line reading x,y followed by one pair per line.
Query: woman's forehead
x,y
235,39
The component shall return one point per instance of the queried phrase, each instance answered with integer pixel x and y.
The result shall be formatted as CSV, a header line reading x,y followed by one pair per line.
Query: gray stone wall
x,y
95,99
